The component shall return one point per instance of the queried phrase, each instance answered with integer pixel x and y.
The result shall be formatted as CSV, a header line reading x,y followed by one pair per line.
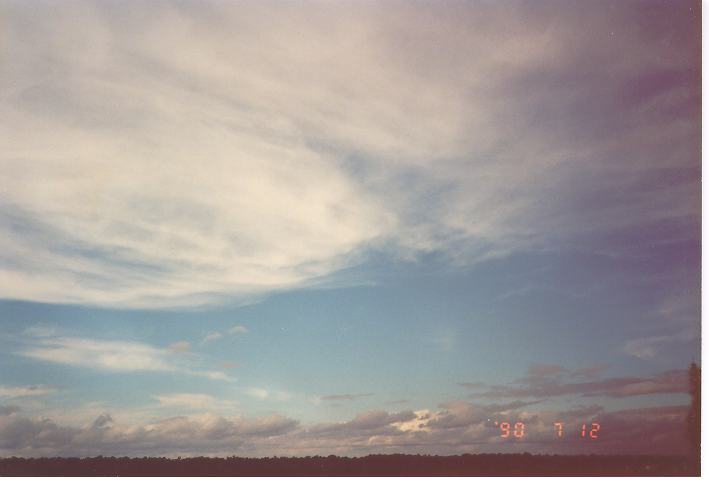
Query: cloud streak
x,y
110,356
343,397
548,381
263,394
194,401
211,337
180,347
7,392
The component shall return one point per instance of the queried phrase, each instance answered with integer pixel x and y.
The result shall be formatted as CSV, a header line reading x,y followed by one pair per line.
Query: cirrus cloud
x,y
161,155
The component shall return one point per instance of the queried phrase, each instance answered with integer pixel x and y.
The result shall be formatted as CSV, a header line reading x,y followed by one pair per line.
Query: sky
x,y
294,228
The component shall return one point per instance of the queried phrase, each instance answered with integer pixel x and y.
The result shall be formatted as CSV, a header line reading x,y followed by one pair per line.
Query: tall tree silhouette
x,y
694,417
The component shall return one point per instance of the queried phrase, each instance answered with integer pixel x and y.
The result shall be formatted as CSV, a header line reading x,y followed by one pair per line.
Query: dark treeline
x,y
372,465
694,416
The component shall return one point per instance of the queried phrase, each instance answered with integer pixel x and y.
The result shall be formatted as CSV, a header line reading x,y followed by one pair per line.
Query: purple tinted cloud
x,y
548,381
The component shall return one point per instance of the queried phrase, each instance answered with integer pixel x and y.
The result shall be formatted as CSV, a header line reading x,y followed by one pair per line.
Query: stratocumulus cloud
x,y
459,427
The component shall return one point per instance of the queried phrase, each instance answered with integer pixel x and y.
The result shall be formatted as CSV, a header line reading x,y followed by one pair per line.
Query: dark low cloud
x,y
589,372
343,397
542,382
8,410
208,434
473,385
364,425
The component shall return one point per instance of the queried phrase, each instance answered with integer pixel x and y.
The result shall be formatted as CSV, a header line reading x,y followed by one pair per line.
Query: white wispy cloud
x,y
189,400
211,337
215,375
342,397
113,355
7,392
263,394
180,347
156,156
110,355
41,331
650,347
257,392
196,401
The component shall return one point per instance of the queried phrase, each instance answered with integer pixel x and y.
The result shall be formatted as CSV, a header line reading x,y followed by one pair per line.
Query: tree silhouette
x,y
694,416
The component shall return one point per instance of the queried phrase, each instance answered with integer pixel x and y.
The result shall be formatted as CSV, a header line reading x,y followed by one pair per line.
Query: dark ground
x,y
372,465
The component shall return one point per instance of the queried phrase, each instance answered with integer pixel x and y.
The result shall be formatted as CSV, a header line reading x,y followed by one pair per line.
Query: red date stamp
x,y
517,430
